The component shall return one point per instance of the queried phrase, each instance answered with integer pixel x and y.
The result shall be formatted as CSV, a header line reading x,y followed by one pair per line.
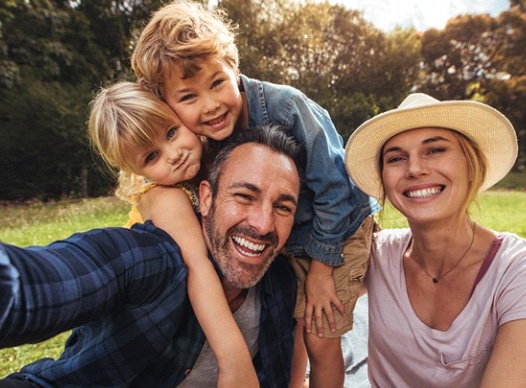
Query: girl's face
x,y
208,103
425,174
174,155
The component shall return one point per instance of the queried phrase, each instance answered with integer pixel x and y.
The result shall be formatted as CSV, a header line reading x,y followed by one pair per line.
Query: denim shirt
x,y
331,207
125,292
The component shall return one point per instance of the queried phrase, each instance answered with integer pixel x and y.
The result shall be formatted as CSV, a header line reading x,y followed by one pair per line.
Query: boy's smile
x,y
208,103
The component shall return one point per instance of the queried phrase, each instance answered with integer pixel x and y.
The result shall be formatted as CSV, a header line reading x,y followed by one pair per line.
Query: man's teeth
x,y
257,248
424,192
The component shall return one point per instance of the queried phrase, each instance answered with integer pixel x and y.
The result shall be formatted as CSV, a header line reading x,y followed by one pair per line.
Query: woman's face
x,y
425,174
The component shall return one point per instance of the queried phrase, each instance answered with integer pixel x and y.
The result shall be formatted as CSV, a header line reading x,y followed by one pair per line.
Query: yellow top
x,y
135,217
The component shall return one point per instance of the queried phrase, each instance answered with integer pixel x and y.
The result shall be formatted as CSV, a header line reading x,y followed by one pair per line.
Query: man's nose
x,y
262,219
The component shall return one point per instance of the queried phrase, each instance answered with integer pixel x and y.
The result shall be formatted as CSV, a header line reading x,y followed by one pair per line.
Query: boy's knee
x,y
320,349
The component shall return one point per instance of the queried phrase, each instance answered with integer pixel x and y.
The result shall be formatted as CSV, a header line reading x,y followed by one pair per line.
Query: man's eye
x,y
284,210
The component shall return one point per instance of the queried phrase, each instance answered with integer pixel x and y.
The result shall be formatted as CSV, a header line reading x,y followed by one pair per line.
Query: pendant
x,y
435,280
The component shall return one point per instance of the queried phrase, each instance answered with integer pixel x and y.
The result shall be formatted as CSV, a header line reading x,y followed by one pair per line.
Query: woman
x,y
447,297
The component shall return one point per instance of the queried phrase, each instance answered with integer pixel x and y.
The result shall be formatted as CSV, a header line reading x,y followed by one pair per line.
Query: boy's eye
x,y
187,97
216,83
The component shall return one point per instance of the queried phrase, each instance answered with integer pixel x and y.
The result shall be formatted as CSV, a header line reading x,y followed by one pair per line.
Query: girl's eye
x,y
151,156
171,133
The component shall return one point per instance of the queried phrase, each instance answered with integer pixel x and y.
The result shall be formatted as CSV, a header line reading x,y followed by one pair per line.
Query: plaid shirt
x,y
125,292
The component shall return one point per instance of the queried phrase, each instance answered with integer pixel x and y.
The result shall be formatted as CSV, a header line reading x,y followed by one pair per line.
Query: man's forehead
x,y
255,161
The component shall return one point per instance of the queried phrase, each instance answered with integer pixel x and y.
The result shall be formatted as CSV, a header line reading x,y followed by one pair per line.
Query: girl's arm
x,y
170,209
506,366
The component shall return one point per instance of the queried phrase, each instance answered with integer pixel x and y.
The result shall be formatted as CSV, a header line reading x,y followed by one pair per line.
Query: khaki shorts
x,y
348,278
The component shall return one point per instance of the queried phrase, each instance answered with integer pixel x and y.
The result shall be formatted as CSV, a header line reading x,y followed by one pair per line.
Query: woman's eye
x,y
437,150
393,159
171,133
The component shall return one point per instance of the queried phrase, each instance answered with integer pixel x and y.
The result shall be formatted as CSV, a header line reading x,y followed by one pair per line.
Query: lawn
x,y
39,223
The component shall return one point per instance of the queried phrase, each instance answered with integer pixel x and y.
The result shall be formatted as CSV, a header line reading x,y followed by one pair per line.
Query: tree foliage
x,y
55,53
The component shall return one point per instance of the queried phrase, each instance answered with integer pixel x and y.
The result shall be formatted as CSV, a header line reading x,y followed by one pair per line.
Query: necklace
x,y
437,278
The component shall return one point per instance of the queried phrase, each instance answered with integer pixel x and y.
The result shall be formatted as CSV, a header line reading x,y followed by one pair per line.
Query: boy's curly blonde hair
x,y
122,115
183,34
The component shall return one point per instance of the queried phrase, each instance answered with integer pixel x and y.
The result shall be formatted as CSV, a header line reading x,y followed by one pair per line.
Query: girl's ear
x,y
205,197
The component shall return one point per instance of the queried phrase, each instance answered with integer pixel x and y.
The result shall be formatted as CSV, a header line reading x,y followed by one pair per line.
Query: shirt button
x,y
187,372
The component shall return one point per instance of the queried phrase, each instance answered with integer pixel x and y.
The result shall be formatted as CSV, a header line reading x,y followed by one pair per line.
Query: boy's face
x,y
209,103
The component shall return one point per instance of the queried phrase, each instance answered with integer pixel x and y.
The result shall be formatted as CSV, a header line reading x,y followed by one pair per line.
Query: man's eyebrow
x,y
252,187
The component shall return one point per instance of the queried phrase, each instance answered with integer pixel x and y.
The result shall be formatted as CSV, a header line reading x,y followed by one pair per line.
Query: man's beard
x,y
238,274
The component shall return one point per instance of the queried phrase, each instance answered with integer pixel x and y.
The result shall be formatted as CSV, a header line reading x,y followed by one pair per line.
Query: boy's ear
x,y
205,197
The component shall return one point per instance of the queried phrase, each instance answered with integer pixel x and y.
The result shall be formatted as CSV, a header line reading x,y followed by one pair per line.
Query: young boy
x,y
187,55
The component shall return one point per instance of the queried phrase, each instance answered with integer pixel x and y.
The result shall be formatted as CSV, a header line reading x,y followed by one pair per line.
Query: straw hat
x,y
486,126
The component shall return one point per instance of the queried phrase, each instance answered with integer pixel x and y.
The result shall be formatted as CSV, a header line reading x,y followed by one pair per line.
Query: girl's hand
x,y
237,374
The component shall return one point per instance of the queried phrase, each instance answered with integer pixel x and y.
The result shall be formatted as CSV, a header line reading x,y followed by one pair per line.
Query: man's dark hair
x,y
274,136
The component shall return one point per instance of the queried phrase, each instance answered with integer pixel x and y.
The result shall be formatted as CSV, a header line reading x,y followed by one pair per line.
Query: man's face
x,y
251,217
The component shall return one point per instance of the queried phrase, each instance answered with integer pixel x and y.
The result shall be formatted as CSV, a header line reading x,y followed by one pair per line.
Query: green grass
x,y
39,224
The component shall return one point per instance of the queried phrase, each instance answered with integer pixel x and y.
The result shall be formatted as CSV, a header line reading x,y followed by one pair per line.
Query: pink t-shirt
x,y
404,352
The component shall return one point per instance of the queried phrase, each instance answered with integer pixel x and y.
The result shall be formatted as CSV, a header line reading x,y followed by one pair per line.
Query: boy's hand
x,y
320,294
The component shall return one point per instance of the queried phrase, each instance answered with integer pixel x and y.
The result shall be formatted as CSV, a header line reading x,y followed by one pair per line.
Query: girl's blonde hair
x,y
122,115
183,34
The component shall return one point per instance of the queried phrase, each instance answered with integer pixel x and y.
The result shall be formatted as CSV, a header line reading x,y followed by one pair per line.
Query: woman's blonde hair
x,y
122,115
183,34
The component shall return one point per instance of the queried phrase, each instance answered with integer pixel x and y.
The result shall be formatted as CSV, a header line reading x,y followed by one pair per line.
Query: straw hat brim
x,y
486,126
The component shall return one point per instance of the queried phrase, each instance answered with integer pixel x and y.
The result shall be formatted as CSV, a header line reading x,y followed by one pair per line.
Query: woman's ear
x,y
205,197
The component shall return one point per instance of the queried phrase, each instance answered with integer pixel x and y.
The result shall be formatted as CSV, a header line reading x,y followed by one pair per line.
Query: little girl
x,y
158,158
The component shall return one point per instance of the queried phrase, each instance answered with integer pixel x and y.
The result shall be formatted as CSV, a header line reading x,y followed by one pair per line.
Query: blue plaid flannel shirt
x,y
124,293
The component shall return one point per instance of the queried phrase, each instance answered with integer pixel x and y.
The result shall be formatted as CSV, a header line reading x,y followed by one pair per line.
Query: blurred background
x,y
356,58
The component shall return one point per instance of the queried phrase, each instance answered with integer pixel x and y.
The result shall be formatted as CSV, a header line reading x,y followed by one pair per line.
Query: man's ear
x,y
205,197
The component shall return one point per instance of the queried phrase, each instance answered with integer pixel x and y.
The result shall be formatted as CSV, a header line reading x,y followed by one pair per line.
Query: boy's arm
x,y
170,209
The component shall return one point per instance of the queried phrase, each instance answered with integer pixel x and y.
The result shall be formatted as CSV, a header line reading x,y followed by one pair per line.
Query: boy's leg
x,y
299,362
300,359
325,354
326,362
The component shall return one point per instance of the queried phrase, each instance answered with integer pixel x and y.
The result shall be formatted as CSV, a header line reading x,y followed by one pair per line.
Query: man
x,y
126,290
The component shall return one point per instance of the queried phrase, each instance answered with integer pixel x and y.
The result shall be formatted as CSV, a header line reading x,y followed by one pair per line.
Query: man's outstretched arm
x,y
47,290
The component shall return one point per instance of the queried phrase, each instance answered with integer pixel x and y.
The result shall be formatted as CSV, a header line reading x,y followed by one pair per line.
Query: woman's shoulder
x,y
392,235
